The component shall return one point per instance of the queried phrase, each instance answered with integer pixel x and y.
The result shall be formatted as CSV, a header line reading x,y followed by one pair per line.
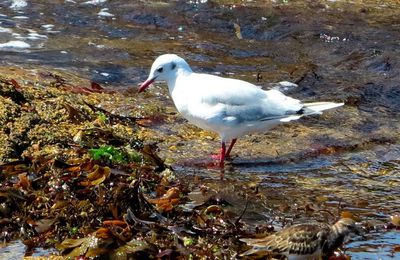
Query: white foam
x,y
5,30
15,45
94,2
37,36
103,12
31,36
48,26
18,4
288,84
21,17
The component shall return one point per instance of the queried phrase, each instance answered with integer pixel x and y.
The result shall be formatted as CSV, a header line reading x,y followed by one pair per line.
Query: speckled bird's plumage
x,y
304,241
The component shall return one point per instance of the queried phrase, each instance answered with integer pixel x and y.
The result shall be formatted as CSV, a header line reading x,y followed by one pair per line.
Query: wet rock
x,y
383,96
382,64
109,73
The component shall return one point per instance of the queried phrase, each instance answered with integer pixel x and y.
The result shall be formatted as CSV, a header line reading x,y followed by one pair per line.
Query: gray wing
x,y
242,114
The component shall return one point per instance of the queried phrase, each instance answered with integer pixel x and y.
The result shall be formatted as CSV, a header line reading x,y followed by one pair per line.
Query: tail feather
x,y
318,107
311,109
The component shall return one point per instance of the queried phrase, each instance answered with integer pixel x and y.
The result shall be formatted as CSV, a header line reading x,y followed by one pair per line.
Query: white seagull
x,y
229,107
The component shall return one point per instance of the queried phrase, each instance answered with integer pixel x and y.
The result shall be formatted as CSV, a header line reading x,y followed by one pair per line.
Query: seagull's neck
x,y
180,73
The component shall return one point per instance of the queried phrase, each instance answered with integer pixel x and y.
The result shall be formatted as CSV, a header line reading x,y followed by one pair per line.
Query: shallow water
x,y
17,250
334,50
13,250
380,247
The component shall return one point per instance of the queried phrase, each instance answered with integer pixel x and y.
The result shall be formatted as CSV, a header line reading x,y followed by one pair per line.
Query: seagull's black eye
x,y
160,70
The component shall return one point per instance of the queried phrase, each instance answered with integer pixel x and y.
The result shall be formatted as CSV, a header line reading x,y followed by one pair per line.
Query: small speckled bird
x,y
304,241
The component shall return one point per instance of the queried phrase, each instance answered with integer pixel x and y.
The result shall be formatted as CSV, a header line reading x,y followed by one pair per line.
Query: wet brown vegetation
x,y
72,169
77,175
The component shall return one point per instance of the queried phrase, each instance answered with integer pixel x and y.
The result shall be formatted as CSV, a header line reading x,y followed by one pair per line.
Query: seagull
x,y
230,107
304,241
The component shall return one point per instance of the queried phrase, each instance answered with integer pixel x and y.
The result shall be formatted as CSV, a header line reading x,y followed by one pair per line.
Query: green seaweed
x,y
108,153
115,155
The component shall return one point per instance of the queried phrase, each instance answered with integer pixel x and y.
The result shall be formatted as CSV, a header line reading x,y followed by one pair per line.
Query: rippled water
x,y
335,50
17,250
380,247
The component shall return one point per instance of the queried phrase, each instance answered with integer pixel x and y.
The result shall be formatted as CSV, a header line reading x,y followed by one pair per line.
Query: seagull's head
x,y
165,68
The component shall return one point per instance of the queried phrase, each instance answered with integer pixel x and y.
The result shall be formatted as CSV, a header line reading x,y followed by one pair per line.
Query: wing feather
x,y
298,239
235,101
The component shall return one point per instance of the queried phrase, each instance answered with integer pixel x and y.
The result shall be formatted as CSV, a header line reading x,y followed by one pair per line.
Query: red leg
x,y
230,147
222,155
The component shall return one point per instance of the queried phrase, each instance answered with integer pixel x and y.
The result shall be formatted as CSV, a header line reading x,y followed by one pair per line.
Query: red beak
x,y
145,85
